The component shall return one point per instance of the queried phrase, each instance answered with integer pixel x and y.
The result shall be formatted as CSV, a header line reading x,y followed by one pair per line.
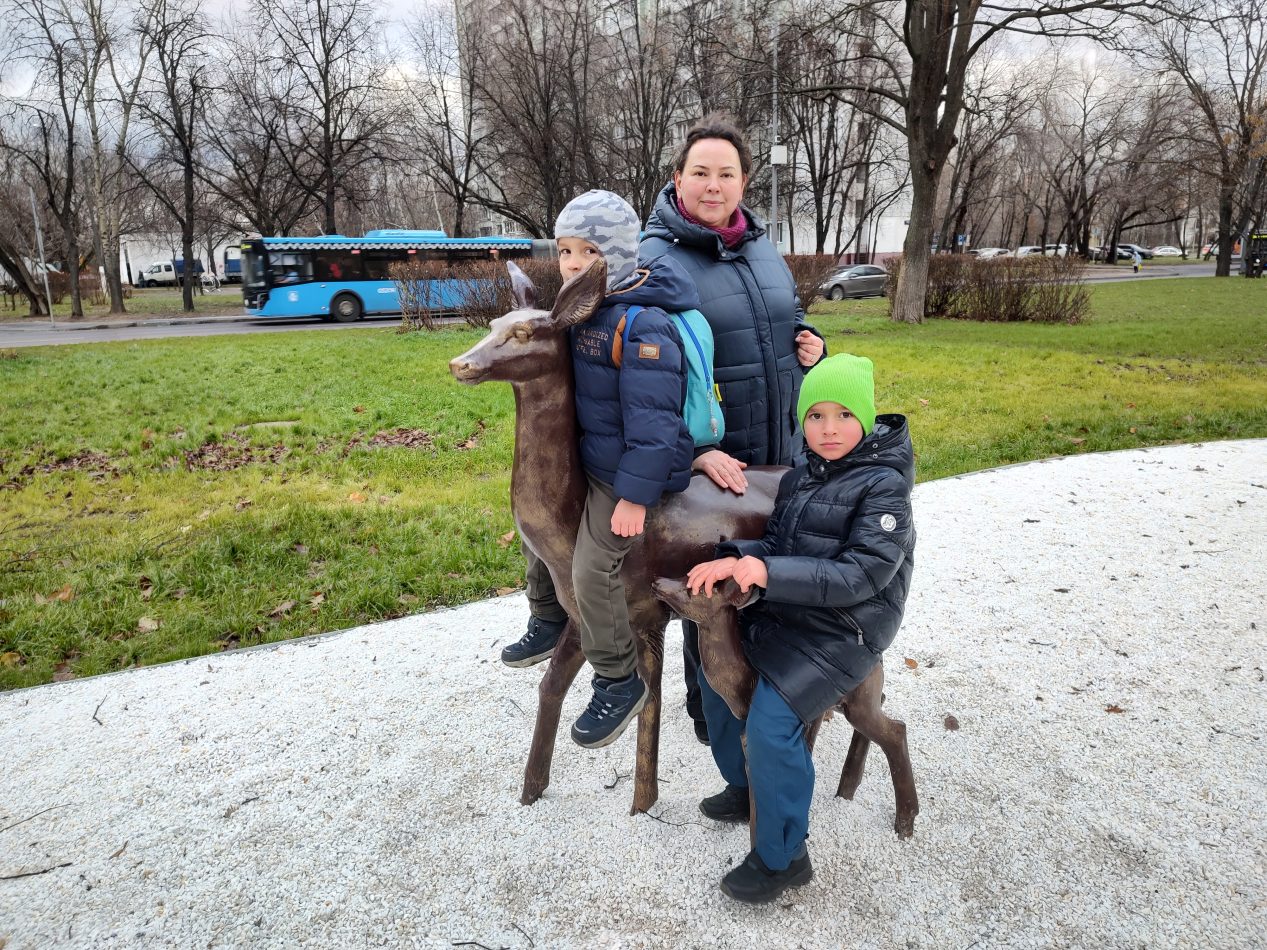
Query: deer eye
x,y
522,332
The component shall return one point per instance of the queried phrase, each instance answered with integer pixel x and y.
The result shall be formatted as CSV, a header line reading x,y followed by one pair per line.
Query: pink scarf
x,y
730,234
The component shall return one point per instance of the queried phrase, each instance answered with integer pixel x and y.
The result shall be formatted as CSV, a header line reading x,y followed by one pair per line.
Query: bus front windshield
x,y
290,267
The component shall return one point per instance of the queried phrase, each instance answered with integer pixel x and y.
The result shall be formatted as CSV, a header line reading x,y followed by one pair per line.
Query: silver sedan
x,y
860,280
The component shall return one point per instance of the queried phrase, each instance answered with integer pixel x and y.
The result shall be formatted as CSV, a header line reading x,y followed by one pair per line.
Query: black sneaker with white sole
x,y
536,645
614,704
754,883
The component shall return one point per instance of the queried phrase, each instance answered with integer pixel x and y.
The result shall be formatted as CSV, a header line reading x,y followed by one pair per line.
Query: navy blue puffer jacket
x,y
633,436
749,298
839,550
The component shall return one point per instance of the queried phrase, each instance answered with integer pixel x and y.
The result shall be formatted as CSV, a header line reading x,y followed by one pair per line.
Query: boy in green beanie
x,y
830,578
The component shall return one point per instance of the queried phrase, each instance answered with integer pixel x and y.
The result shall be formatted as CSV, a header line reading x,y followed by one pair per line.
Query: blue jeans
x,y
778,766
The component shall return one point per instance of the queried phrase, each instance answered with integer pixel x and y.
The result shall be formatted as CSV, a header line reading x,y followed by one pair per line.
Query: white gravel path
x,y
361,789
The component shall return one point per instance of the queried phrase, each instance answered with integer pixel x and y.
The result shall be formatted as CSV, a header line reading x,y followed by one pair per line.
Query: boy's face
x,y
831,430
576,254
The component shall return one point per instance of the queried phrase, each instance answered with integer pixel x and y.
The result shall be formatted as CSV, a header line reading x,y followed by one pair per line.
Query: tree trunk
x,y
1223,266
72,268
912,284
187,238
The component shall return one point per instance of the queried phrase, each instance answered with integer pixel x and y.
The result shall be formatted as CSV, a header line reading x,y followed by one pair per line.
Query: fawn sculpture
x,y
529,348
730,674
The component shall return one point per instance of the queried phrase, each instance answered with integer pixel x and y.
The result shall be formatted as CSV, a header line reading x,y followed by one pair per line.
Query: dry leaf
x,y
1114,709
10,659
316,600
952,724
147,625
357,497
63,595
912,663
39,599
503,591
1132,430
122,848
923,402
358,408
62,672
505,539
299,548
180,593
407,599
1130,405
282,609
243,504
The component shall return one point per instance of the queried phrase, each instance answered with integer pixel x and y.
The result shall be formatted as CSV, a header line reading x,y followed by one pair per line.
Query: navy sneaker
x,y
536,645
730,804
754,883
614,704
701,731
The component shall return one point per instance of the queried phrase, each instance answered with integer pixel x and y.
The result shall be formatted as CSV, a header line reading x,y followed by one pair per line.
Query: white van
x,y
165,273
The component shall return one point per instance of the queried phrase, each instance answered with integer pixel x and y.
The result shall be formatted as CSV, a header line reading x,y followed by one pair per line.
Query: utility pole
x,y
778,153
39,241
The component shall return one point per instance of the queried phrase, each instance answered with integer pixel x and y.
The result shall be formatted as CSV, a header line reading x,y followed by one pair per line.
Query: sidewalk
x,y
1095,625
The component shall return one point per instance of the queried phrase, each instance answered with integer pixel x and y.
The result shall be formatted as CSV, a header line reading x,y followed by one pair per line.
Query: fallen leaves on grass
x,y
10,659
357,497
62,672
148,625
232,452
474,439
402,438
316,600
407,599
505,540
282,609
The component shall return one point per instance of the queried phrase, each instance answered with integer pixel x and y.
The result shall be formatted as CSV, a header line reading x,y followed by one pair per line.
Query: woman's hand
x,y
709,573
748,571
809,348
628,519
724,470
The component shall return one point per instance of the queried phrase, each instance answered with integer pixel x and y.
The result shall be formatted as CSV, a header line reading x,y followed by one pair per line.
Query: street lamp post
x,y
778,153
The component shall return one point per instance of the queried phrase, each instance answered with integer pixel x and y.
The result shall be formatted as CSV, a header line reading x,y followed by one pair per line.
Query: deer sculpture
x,y
529,348
734,679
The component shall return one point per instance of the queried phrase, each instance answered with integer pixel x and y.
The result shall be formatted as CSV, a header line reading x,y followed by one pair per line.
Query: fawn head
x,y
528,343
702,610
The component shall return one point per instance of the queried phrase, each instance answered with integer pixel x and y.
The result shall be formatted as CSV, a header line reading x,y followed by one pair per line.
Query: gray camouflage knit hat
x,y
608,222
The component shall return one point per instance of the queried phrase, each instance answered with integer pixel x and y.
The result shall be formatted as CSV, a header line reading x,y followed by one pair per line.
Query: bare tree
x,y
43,123
336,117
918,60
1219,56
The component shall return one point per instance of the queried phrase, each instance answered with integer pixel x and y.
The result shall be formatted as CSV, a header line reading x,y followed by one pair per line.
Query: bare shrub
x,y
479,291
808,273
1033,289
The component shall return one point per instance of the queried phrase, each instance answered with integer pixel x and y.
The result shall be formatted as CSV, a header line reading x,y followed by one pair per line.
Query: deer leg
x,y
811,734
864,712
646,770
560,672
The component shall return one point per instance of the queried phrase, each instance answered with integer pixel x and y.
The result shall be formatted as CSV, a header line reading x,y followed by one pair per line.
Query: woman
x,y
763,346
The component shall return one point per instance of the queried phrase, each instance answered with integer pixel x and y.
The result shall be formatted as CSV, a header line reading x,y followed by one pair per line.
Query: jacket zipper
x,y
848,618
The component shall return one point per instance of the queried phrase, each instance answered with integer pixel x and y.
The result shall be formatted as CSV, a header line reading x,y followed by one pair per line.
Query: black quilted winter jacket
x,y
748,296
838,549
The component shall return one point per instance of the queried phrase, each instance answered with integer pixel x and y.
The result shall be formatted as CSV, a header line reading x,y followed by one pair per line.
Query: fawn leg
x,y
560,672
811,734
865,713
646,771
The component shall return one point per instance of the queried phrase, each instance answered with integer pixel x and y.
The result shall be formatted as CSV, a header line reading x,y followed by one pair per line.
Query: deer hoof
x,y
904,825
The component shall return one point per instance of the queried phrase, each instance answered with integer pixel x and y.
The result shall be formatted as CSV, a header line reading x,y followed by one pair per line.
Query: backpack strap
x,y
622,333
704,361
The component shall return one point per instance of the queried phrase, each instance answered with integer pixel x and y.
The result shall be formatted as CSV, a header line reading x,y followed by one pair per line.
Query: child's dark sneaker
x,y
730,804
536,645
701,731
754,883
614,704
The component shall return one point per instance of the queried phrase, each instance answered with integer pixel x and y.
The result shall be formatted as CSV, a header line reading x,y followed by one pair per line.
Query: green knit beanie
x,y
842,379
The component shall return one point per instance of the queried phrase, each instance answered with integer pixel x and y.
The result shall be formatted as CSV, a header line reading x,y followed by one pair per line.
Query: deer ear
x,y
522,290
580,296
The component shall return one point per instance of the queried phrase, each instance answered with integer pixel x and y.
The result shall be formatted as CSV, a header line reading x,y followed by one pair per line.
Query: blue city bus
x,y
345,278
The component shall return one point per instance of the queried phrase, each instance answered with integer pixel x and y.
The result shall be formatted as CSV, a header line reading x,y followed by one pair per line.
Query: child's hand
x,y
709,573
748,571
628,519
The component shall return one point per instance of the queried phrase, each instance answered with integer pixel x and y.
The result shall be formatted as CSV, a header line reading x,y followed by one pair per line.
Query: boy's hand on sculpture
x,y
628,519
724,470
709,573
748,571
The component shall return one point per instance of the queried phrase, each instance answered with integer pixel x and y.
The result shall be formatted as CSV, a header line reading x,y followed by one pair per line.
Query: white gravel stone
x,y
362,788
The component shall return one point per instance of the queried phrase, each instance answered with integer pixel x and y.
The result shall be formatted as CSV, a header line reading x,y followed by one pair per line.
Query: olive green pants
x,y
606,638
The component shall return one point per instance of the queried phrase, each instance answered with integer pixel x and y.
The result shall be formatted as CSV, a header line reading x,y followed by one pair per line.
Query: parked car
x,y
1025,250
859,280
1130,249
1055,250
985,253
1167,250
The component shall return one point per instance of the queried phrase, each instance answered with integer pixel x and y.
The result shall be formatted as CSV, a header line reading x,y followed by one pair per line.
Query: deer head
x,y
526,343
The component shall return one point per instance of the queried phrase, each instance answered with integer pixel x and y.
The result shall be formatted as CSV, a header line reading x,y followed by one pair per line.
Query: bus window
x,y
337,265
377,263
290,267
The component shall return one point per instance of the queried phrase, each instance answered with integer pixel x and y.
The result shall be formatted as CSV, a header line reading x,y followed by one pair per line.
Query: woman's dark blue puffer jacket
x,y
750,300
839,551
633,436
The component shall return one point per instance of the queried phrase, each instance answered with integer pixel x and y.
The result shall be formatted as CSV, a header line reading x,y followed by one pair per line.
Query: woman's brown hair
x,y
715,125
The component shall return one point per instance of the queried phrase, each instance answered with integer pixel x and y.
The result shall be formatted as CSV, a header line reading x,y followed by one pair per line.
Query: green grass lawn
x,y
150,302
165,499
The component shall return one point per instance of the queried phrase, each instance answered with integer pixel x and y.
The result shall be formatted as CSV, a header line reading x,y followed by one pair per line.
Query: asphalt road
x,y
13,335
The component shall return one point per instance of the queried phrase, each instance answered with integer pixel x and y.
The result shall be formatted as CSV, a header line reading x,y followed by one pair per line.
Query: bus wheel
x,y
345,308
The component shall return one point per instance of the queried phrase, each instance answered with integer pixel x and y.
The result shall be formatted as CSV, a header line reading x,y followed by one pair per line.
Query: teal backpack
x,y
702,409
